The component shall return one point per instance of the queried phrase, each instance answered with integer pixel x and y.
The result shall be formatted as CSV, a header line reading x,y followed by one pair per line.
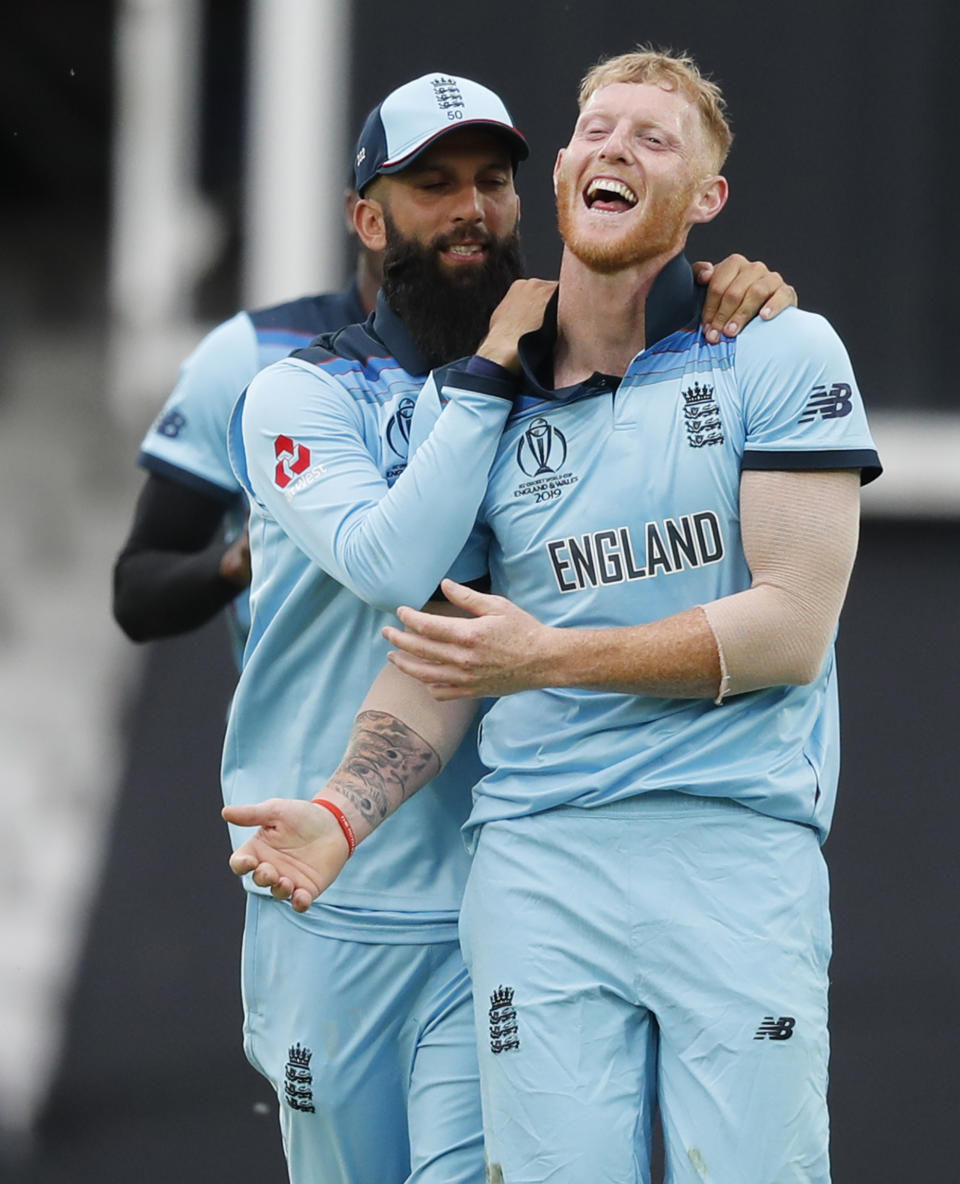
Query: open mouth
x,y
465,252
610,195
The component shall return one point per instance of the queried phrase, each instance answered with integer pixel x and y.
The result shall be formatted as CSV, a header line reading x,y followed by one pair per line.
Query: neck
x,y
367,278
601,323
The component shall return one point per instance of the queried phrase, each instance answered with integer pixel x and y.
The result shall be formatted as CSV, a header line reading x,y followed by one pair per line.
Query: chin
x,y
608,255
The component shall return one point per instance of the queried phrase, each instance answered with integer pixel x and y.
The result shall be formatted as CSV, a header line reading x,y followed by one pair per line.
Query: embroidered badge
x,y
298,1080
701,416
503,1021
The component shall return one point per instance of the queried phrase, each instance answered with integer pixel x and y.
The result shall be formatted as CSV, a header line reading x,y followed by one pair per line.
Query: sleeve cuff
x,y
484,377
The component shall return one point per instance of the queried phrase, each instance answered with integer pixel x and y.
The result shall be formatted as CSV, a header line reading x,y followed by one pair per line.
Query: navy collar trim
x,y
674,303
391,330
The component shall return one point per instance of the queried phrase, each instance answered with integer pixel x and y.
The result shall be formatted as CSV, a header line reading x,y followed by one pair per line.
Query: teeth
x,y
609,185
466,249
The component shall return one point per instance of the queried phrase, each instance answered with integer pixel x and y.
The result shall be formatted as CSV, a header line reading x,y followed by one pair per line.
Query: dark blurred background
x,y
842,171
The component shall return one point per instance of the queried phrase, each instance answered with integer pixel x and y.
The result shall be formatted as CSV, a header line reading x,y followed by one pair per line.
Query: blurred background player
x,y
187,555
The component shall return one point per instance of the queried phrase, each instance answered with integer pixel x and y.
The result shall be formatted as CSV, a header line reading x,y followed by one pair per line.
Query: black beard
x,y
446,315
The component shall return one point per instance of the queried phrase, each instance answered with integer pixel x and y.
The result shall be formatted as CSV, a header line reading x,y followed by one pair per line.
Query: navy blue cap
x,y
415,115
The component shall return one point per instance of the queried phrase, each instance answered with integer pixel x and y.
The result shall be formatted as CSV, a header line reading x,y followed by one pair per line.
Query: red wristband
x,y
343,820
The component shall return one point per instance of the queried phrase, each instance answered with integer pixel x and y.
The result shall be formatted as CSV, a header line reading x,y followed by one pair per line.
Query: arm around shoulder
x,y
387,543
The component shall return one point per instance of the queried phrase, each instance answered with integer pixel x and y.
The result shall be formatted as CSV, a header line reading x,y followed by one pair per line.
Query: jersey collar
x,y
391,330
674,303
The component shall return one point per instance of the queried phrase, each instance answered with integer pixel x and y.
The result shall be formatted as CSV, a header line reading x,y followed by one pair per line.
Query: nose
x,y
468,205
617,145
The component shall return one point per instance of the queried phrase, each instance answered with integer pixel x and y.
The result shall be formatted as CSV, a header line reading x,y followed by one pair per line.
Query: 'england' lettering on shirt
x,y
612,557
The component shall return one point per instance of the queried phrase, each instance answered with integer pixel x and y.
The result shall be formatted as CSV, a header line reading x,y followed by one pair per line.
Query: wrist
x,y
504,356
341,819
564,651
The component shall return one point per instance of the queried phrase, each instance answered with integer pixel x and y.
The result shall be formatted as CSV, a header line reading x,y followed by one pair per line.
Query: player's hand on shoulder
x,y
519,312
739,290
297,853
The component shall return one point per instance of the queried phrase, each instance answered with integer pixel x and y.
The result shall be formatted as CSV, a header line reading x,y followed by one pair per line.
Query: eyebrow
x,y
643,125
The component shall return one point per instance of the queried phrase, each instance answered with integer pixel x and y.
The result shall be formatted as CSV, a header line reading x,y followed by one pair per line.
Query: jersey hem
x,y
163,468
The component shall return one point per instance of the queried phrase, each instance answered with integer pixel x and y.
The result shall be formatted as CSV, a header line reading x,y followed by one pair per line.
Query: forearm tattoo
x,y
385,762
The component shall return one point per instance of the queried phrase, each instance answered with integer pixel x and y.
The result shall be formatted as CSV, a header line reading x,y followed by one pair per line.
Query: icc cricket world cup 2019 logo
x,y
542,449
398,429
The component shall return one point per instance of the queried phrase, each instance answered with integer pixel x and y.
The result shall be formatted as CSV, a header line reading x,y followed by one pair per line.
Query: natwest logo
x,y
292,459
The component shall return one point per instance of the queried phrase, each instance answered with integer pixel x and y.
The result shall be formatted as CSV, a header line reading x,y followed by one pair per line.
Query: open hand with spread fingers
x,y
297,853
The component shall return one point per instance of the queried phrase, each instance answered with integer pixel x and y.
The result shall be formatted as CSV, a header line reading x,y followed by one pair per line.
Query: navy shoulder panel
x,y
353,342
310,315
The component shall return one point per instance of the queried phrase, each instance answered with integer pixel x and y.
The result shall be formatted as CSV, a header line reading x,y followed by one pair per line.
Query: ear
x,y
368,222
711,199
350,199
556,170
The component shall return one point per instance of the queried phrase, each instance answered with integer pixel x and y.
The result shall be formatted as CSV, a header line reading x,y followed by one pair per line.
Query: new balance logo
x,y
834,403
771,1029
172,424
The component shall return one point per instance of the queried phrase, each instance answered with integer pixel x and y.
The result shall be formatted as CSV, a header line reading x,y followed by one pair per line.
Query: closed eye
x,y
594,130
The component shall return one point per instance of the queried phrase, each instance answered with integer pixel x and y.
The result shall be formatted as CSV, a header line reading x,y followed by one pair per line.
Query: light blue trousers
x,y
665,951
371,1050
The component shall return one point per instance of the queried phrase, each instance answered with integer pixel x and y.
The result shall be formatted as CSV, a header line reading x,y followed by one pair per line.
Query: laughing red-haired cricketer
x,y
665,540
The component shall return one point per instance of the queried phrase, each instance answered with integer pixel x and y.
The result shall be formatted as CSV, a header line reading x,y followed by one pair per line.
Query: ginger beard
x,y
659,231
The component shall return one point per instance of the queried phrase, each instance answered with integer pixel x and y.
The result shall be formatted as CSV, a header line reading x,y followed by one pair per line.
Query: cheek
x,y
502,214
562,189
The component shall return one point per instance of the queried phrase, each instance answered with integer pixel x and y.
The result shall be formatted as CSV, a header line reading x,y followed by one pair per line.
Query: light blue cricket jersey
x,y
187,442
617,503
341,533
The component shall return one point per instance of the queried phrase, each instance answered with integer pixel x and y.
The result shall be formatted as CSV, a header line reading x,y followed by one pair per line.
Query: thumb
x,y
702,271
461,596
256,815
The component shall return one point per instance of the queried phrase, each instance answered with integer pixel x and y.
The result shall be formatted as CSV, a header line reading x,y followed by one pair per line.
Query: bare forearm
x,y
799,532
676,657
